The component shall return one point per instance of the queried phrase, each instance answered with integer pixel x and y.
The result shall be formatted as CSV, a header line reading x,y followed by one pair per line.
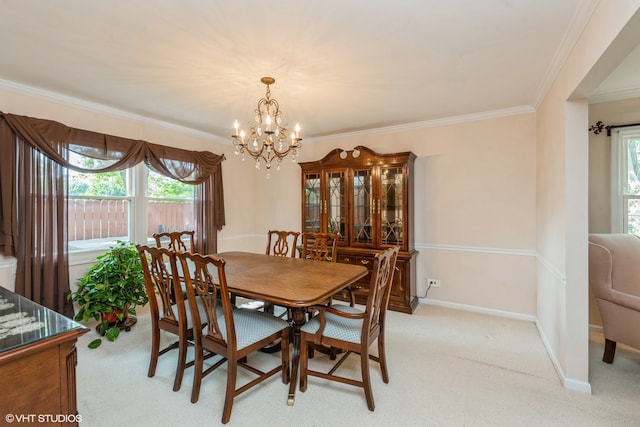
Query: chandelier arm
x,y
283,153
254,153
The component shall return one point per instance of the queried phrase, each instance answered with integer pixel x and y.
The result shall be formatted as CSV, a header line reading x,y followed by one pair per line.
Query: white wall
x,y
474,207
562,176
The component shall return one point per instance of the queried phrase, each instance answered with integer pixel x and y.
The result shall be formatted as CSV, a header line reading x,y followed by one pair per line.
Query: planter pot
x,y
112,316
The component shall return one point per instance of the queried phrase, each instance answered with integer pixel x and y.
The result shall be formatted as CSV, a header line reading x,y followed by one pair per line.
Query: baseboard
x,y
595,328
476,309
579,386
568,383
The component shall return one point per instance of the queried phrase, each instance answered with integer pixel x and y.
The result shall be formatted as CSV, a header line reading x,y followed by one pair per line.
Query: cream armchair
x,y
614,277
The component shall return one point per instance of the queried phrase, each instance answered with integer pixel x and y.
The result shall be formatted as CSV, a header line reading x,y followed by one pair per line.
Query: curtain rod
x,y
599,126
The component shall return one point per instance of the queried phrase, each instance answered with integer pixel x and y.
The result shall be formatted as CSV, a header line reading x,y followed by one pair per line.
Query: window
x,y
127,205
625,180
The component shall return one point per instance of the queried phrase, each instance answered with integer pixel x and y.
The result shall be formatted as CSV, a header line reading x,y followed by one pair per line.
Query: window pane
x,y
633,167
169,204
168,215
97,222
98,184
99,206
633,216
160,186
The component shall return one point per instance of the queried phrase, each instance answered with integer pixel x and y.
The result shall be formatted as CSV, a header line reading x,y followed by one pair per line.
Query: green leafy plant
x,y
114,285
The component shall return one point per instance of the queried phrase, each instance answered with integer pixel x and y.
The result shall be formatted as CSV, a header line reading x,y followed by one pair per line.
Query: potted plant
x,y
111,290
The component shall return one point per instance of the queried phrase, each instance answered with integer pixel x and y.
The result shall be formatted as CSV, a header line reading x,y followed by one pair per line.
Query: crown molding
x,y
103,109
569,40
429,123
614,95
117,113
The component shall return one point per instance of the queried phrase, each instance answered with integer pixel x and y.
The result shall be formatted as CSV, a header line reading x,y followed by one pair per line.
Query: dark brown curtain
x,y
33,217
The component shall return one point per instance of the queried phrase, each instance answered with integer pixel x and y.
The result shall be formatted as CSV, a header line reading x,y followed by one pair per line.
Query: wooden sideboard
x,y
367,198
37,363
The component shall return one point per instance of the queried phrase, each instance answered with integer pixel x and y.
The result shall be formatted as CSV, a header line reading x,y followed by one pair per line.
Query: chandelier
x,y
268,139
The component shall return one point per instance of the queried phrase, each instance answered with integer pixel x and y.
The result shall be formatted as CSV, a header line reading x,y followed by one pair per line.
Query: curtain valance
x,y
54,138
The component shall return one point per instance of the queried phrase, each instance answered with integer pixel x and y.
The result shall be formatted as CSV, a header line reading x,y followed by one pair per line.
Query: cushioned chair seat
x,y
251,326
338,327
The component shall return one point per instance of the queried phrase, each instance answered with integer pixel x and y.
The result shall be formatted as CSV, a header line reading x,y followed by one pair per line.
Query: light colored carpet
x,y
447,368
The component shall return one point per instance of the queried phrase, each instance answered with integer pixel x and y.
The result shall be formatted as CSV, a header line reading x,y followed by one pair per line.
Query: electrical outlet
x,y
433,283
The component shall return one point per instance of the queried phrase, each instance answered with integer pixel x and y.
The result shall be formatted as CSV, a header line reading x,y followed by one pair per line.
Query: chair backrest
x,y
159,267
384,266
614,265
183,241
282,243
320,246
207,281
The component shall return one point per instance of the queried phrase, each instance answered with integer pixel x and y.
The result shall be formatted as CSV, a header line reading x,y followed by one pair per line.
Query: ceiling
x,y
340,66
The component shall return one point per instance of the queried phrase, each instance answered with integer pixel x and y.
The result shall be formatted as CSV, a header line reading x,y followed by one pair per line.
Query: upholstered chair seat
x,y
338,327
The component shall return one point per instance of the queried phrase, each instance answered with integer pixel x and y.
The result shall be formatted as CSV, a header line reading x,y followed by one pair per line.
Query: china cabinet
x,y
367,198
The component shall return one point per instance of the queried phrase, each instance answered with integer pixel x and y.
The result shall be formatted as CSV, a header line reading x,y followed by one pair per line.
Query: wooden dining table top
x,y
286,281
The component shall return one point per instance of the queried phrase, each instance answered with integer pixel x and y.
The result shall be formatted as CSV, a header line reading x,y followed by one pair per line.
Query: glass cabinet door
x,y
336,204
390,207
362,226
312,202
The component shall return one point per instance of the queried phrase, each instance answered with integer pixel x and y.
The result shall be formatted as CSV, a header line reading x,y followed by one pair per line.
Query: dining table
x,y
294,283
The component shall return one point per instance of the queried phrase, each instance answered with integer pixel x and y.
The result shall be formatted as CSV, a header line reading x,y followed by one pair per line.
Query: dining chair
x,y
353,330
320,246
279,243
170,314
323,247
183,241
233,335
282,243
